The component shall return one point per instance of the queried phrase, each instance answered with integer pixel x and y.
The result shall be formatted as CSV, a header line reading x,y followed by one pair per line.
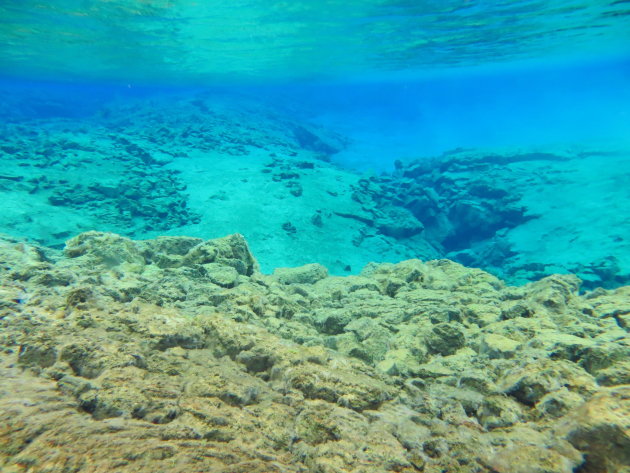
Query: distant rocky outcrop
x,y
111,165
176,354
457,200
466,203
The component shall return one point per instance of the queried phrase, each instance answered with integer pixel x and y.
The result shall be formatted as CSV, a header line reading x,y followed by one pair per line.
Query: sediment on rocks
x,y
176,354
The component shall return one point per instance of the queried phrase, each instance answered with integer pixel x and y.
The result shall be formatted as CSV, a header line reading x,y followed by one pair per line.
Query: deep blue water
x,y
543,104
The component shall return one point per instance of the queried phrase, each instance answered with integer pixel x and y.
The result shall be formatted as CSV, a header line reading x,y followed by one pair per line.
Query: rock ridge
x,y
176,354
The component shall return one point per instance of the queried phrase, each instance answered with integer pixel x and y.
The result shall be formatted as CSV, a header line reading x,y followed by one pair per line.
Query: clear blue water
x,y
495,134
393,81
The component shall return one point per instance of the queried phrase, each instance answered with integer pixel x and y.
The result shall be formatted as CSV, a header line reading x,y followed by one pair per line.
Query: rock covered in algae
x,y
177,355
307,274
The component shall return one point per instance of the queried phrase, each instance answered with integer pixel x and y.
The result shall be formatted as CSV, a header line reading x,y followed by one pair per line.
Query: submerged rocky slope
x,y
208,164
520,214
176,355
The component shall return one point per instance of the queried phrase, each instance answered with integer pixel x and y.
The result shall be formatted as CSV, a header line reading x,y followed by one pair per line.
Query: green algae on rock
x,y
176,354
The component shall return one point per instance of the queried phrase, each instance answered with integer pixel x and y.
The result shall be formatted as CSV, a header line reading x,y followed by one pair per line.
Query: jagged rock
x,y
558,403
39,354
183,344
498,346
106,249
534,459
532,382
231,251
332,322
499,411
601,429
307,274
615,375
398,222
446,339
221,275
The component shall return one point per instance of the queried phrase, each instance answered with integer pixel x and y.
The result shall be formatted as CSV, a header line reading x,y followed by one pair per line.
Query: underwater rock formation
x,y
474,207
114,169
176,354
206,165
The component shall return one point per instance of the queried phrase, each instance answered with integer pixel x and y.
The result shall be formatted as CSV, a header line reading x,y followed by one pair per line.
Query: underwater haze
x,y
314,236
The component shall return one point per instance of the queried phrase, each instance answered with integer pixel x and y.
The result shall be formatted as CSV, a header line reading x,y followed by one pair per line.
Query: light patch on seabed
x,y
583,214
232,194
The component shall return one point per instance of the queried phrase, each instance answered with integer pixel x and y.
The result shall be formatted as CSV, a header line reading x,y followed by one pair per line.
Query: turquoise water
x,y
187,41
98,94
314,236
